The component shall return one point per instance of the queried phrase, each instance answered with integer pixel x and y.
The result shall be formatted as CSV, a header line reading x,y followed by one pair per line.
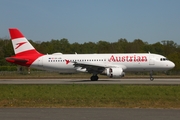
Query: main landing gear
x,y
94,78
151,77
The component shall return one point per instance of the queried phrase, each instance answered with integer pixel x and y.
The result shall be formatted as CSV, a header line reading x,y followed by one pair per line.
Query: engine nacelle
x,y
114,72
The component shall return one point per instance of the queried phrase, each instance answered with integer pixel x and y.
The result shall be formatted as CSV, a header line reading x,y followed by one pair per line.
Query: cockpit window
x,y
163,59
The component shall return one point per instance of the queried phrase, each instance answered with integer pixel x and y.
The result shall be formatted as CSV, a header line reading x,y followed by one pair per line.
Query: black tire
x,y
151,78
94,78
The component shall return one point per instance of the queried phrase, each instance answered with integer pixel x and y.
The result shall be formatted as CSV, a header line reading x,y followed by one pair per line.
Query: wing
x,y
89,67
94,67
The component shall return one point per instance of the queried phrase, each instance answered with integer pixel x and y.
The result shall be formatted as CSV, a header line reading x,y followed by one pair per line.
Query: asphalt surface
x,y
88,114
83,81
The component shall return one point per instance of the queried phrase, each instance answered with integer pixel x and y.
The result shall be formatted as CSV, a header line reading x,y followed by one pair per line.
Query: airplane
x,y
114,65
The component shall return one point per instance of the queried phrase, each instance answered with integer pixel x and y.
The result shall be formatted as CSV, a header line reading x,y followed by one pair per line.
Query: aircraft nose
x,y
171,65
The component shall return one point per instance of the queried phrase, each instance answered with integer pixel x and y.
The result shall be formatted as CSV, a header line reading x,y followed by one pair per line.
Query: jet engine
x,y
114,72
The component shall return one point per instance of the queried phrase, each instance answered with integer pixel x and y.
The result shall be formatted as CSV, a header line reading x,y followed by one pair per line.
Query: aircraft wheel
x,y
94,78
151,78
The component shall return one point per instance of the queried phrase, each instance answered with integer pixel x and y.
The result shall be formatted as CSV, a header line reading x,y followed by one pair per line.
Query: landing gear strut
x,y
94,78
151,77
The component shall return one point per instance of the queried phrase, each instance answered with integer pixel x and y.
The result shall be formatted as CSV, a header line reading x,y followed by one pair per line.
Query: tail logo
x,y
20,44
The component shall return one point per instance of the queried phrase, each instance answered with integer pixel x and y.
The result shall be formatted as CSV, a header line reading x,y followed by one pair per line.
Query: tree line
x,y
167,48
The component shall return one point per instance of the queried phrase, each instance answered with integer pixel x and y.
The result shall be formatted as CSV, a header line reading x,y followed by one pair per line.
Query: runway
x,y
83,81
88,114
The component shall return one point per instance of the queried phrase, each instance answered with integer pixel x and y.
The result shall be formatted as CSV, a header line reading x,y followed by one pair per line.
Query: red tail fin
x,y
24,51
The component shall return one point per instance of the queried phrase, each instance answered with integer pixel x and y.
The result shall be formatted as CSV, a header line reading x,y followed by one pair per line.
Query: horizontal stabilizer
x,y
16,60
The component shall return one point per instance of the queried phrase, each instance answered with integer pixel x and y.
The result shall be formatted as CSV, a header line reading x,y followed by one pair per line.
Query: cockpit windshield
x,y
163,59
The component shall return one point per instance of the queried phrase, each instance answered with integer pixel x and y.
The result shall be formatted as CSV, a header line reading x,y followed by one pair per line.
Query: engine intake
x,y
114,72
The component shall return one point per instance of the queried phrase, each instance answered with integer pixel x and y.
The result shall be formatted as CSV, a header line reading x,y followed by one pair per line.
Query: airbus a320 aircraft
x,y
112,65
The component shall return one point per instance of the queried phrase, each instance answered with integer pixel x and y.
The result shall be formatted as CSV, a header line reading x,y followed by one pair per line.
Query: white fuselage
x,y
64,63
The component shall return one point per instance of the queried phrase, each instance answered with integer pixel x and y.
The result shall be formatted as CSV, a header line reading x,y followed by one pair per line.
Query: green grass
x,y
128,96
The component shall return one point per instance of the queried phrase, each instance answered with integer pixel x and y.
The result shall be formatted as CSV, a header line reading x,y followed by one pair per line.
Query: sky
x,y
92,20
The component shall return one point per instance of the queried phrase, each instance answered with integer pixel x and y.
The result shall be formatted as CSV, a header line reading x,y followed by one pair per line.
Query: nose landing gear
x,y
151,77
